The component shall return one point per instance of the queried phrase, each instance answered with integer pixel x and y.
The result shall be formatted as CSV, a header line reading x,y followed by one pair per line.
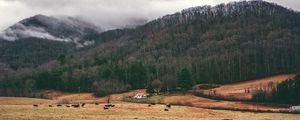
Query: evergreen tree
x,y
185,79
287,92
105,72
297,89
150,89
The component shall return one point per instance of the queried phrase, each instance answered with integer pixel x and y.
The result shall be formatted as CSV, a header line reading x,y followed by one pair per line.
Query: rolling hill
x,y
227,43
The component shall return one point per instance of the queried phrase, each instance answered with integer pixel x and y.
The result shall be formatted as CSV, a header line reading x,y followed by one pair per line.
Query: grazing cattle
x,y
166,109
59,105
168,106
35,105
108,105
83,104
149,105
50,105
76,106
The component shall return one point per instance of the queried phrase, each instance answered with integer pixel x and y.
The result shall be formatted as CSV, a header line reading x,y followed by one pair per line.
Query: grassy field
x,y
237,90
127,111
200,102
17,108
23,101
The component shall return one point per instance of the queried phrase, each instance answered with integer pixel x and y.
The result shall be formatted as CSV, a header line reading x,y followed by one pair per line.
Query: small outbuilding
x,y
140,96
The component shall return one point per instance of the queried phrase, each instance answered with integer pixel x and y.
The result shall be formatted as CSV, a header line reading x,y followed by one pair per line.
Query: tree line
x,y
102,79
286,92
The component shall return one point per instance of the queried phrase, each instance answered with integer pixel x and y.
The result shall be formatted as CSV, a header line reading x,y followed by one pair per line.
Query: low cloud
x,y
108,14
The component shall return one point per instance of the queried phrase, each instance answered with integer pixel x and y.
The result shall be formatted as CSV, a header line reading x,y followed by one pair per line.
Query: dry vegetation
x,y
200,102
21,108
87,97
230,91
237,90
130,111
23,101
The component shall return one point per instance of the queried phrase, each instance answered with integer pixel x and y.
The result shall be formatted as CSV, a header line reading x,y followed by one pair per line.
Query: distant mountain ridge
x,y
231,9
61,28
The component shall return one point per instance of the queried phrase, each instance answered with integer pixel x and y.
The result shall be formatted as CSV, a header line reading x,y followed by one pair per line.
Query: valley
x,y
184,106
232,60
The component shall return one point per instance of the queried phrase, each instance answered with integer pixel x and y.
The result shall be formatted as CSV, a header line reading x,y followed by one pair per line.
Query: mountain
x,y
40,39
62,28
221,44
226,43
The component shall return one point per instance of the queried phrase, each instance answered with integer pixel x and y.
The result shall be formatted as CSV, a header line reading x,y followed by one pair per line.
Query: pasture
x,y
244,90
185,106
128,111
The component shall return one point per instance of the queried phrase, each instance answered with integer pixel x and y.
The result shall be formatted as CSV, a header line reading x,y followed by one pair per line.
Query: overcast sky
x,y
107,14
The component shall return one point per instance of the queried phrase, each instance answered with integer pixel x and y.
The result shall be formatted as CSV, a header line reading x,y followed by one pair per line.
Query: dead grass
x,y
200,102
12,108
126,111
23,101
87,97
237,90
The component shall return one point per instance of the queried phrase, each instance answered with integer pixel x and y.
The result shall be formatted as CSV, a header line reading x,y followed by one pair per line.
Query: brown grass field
x,y
128,111
18,108
237,90
87,97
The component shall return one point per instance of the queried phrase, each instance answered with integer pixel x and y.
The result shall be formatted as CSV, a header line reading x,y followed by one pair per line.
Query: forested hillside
x,y
223,44
32,52
40,39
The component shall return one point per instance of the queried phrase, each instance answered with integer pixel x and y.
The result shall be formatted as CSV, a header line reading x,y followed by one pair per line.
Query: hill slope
x,y
226,43
40,39
245,90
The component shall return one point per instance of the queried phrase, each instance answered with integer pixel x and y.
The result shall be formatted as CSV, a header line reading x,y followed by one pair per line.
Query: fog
x,y
107,14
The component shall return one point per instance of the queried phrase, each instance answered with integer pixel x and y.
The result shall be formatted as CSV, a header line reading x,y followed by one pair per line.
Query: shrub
x,y
260,96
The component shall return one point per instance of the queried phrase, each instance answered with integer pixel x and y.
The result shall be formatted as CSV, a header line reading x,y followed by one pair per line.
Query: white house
x,y
140,96
295,108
